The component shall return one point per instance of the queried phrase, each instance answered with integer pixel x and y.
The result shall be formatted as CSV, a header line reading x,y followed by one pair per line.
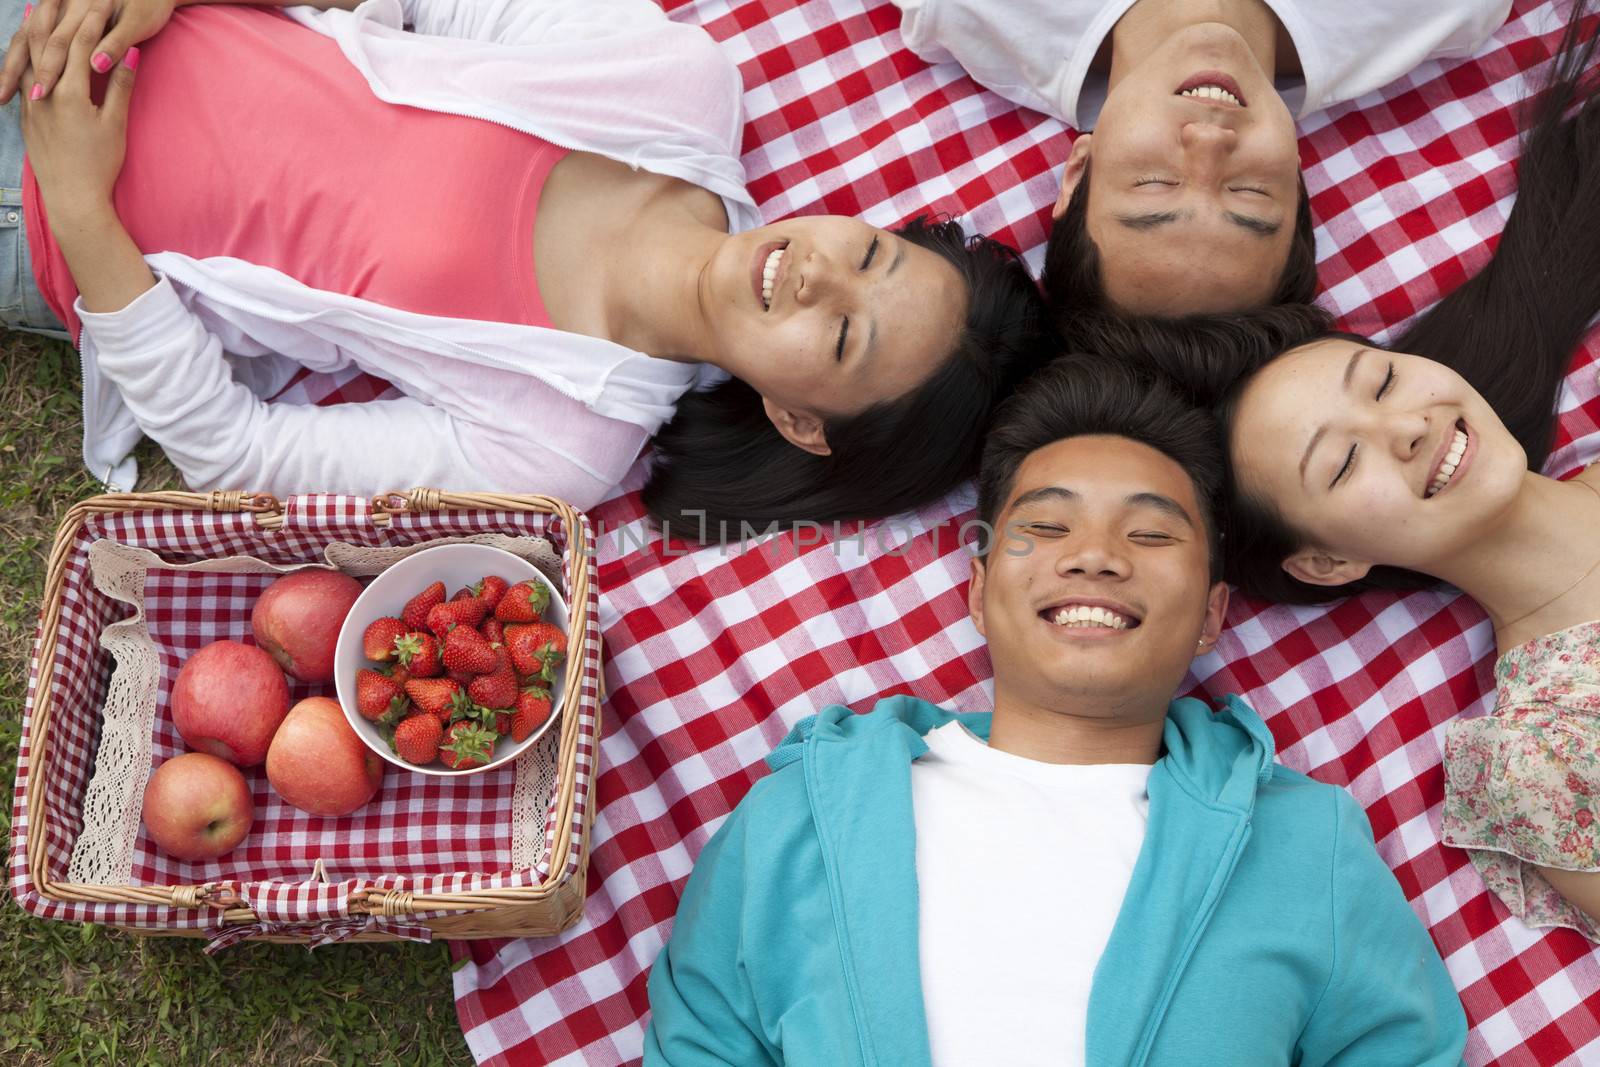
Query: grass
x,y
72,994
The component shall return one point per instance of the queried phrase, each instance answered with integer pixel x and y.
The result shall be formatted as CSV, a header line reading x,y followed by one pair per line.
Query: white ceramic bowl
x,y
387,594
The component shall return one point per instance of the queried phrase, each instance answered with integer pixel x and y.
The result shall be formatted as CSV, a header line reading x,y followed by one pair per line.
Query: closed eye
x,y
1248,189
1045,528
844,331
1349,461
1151,535
872,250
1153,181
1388,380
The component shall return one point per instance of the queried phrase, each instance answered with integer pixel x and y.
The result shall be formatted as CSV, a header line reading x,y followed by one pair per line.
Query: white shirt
x,y
488,405
1021,871
1037,52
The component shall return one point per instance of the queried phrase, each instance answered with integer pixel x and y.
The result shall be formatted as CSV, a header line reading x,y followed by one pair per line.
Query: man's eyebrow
x,y
1259,227
1164,504
1046,492
1152,220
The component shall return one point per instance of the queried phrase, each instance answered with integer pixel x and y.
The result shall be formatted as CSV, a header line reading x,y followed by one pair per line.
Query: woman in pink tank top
x,y
861,365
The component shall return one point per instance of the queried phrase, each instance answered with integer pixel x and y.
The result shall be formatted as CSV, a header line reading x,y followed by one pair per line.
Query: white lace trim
x,y
103,854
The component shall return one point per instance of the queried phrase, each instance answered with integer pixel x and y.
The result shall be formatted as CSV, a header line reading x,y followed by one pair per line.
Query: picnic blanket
x,y
713,654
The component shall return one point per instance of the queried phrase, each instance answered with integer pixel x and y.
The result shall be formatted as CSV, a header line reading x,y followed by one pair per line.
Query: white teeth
x,y
1212,92
1452,460
1081,615
769,271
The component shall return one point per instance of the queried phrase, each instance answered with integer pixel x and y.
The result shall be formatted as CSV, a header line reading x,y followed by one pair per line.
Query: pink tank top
x,y
254,137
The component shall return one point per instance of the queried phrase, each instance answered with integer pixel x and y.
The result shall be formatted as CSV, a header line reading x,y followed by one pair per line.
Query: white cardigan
x,y
509,407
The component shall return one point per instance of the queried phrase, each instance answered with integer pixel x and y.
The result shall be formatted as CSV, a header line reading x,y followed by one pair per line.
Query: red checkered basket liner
x,y
427,855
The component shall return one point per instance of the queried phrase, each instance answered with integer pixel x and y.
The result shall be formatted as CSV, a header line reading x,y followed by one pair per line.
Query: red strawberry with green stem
x,y
523,602
377,694
492,631
445,617
433,695
498,688
536,649
378,640
467,744
466,650
490,589
418,652
533,708
416,739
416,610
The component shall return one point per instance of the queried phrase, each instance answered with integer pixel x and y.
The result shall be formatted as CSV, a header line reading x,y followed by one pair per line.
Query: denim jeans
x,y
21,305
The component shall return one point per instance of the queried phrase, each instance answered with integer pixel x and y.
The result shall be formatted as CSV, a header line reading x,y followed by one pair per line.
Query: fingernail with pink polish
x,y
130,59
26,12
101,62
36,93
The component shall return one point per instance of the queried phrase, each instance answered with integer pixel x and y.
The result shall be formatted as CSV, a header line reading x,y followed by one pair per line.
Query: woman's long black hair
x,y
1510,331
720,462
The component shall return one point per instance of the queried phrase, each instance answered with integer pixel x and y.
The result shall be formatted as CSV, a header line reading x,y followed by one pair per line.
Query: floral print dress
x,y
1522,784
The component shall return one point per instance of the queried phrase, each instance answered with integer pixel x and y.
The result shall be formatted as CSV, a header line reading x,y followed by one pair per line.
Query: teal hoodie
x,y
1260,925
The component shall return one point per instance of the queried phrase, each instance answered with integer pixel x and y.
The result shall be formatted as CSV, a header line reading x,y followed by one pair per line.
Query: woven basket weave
x,y
368,912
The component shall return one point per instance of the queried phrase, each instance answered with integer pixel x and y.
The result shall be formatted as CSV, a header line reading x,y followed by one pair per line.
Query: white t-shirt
x,y
1021,870
1037,52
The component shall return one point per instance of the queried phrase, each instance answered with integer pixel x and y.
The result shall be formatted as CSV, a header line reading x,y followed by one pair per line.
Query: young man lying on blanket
x,y
1193,153
1096,873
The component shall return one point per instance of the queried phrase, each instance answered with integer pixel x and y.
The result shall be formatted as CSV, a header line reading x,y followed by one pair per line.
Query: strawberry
x,y
443,617
493,631
467,744
419,654
466,650
378,641
416,739
464,593
490,589
399,672
433,695
417,608
533,708
498,688
502,722
536,649
523,602
377,694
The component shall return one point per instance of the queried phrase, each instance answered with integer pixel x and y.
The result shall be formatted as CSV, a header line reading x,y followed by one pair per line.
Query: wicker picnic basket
x,y
304,903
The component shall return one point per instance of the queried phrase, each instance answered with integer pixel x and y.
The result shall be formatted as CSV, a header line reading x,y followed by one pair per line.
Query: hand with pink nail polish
x,y
75,145
38,50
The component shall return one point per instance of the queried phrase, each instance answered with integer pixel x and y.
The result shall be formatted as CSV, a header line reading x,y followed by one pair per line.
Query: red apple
x,y
197,807
298,618
228,700
318,764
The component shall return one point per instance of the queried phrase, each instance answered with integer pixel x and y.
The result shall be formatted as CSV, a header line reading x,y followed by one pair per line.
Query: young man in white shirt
x,y
1097,873
1193,202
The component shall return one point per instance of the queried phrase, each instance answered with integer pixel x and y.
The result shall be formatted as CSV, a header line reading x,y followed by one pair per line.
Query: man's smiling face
x,y
1194,187
1098,588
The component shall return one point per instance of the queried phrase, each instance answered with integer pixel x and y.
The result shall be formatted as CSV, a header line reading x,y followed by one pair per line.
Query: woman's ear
x,y
799,428
1077,160
1314,566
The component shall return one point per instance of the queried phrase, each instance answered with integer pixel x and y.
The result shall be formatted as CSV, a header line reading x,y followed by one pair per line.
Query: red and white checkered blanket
x,y
713,655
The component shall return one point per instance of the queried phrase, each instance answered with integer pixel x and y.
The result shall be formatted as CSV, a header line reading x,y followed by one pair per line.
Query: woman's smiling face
x,y
1375,457
830,316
